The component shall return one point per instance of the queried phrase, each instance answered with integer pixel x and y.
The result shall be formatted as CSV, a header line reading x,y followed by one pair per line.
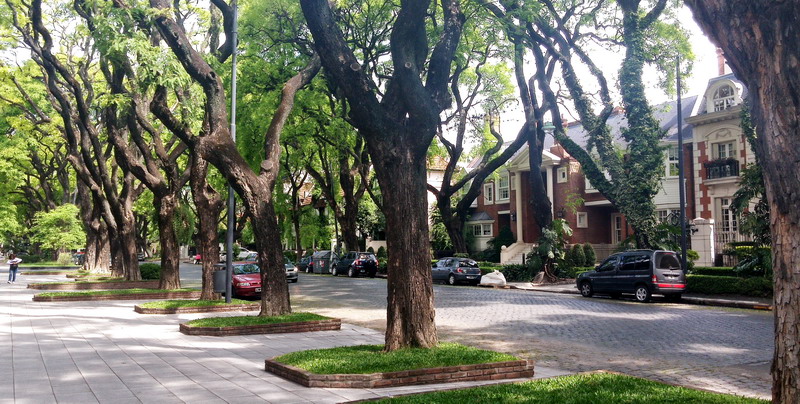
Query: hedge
x,y
715,271
150,271
721,285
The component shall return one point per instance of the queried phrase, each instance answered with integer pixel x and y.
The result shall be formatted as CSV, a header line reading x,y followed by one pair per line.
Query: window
x,y
582,219
725,150
724,98
635,262
484,229
608,265
488,194
664,215
561,175
502,188
673,170
616,229
729,219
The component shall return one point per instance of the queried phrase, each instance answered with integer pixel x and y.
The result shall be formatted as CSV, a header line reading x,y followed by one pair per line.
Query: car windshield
x,y
468,263
245,269
667,260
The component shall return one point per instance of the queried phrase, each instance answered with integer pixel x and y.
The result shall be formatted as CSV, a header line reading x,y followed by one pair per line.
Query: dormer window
x,y
724,98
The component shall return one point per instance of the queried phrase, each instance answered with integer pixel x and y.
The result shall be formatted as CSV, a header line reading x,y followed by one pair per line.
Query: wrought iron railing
x,y
722,169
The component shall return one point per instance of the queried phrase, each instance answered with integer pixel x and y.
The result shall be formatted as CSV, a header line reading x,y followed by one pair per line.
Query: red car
x,y
246,279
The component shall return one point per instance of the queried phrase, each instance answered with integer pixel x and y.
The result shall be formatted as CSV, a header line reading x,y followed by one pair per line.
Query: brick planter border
x,y
95,285
197,309
483,371
332,324
132,296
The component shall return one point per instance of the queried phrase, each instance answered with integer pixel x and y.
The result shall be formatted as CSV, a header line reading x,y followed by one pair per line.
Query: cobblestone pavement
x,y
724,350
104,352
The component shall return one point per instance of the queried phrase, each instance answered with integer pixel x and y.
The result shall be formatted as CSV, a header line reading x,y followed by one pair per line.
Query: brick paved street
x,y
725,350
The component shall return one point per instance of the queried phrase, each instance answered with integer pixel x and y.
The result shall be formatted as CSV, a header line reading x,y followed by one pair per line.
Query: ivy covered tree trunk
x,y
760,42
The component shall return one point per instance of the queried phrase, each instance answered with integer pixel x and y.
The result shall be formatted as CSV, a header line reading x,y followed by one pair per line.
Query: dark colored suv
x,y
356,263
640,272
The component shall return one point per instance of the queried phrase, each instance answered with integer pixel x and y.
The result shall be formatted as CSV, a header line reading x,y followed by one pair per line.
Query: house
x,y
714,151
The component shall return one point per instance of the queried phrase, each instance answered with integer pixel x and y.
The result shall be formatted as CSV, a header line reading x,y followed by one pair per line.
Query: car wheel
x,y
293,280
586,289
451,280
372,274
673,298
351,272
642,294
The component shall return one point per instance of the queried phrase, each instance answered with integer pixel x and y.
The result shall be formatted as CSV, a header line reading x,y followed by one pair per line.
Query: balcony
x,y
722,168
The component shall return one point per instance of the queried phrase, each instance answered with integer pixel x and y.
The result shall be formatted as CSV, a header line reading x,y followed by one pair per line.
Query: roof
x,y
480,217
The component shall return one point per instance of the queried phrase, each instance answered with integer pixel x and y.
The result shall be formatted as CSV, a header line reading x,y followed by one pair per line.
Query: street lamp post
x,y
231,195
681,185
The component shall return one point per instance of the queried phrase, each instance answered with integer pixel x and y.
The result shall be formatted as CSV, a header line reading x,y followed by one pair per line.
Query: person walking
x,y
13,265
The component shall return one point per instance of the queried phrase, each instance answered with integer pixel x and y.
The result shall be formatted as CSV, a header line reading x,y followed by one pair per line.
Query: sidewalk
x,y
742,302
104,352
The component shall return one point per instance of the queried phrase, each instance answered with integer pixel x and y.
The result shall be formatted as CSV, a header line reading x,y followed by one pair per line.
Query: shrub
x,y
371,250
64,259
150,271
591,257
753,260
720,285
291,255
577,256
575,271
461,255
691,257
517,273
381,255
714,271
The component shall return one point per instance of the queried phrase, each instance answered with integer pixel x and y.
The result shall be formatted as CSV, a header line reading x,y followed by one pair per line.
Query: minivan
x,y
638,272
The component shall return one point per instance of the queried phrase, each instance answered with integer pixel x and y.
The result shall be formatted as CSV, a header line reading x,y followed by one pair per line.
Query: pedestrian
x,y
13,265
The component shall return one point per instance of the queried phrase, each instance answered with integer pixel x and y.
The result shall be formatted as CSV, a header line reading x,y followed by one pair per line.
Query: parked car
x,y
247,277
355,263
306,264
456,270
639,272
291,269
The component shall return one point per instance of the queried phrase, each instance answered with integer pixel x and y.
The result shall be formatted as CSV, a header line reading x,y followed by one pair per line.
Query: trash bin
x,y
322,261
219,281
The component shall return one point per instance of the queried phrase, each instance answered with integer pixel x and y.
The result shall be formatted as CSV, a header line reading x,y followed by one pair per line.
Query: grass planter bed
x,y
461,364
194,306
583,388
66,272
100,285
250,325
122,294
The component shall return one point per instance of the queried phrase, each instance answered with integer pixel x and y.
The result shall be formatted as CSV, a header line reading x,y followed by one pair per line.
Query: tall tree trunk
x,y
454,224
275,291
170,263
410,310
209,206
760,42
97,255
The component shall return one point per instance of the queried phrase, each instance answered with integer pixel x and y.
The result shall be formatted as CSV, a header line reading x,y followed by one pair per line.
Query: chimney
x,y
720,62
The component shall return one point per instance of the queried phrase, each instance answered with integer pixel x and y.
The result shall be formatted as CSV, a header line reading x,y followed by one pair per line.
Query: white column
x,y
550,189
703,241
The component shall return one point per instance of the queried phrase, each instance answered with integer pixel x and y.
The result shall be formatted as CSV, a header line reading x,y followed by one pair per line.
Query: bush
x,y
291,255
461,255
589,254
575,271
371,250
753,260
576,256
64,259
517,273
381,255
721,285
713,271
150,271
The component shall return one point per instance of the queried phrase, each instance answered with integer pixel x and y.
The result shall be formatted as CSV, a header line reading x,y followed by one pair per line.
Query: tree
x,y
398,122
58,229
760,43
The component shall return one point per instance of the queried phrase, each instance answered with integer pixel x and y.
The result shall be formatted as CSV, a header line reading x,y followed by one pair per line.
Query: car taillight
x,y
655,279
460,270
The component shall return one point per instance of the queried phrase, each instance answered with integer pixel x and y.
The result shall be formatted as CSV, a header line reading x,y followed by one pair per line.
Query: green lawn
x,y
364,359
598,388
24,264
113,292
175,304
254,320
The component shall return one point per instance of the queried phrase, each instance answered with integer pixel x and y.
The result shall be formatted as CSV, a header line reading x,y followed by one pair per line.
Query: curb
x,y
333,324
699,301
